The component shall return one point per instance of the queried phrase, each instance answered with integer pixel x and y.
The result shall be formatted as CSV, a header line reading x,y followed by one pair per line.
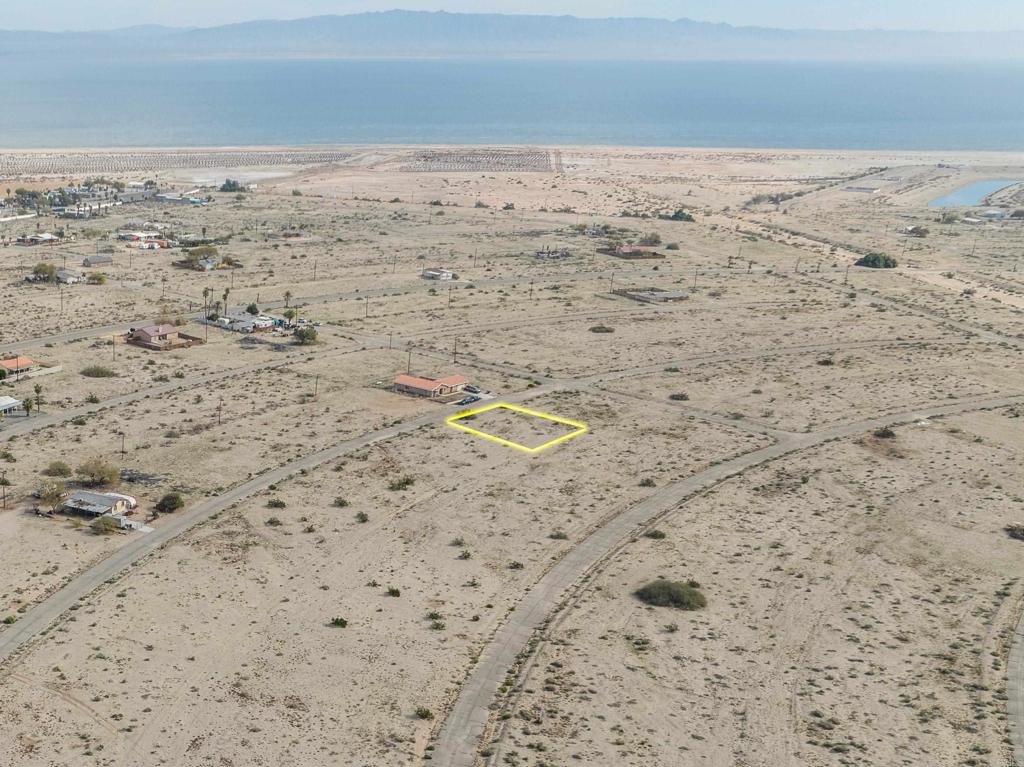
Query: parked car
x,y
472,389
468,401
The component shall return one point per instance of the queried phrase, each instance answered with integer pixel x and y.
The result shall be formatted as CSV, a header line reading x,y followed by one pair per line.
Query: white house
x,y
9,405
439,274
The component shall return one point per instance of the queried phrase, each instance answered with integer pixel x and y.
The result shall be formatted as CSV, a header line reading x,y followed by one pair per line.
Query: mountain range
x,y
414,34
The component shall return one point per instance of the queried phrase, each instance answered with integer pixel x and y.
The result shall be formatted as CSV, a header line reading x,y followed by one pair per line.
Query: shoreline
x,y
405,146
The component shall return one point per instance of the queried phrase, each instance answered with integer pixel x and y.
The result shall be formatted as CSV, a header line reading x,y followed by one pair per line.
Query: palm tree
x,y
287,298
28,404
38,388
227,292
206,299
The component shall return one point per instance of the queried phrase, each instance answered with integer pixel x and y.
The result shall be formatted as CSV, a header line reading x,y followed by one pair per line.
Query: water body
x,y
972,194
930,106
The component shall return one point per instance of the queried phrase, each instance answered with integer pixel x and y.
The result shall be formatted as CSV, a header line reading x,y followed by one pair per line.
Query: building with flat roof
x,y
9,405
439,274
95,504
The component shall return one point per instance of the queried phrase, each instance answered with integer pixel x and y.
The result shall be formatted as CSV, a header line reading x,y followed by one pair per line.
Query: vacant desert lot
x,y
832,453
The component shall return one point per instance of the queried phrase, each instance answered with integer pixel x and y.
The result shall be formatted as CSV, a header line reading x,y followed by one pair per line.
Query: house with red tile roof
x,y
18,366
430,387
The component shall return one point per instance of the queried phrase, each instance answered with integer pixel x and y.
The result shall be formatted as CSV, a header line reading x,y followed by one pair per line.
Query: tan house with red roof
x,y
430,387
18,366
161,337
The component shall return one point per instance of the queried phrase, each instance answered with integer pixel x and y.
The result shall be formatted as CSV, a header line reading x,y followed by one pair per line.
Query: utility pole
x,y
694,278
846,277
408,363
367,302
476,252
122,446
797,267
455,351
220,408
449,296
531,290
113,347
316,385
314,271
392,333
611,283
394,263
3,487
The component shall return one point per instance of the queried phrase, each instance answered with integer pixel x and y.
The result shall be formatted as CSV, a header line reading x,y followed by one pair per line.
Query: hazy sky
x,y
829,14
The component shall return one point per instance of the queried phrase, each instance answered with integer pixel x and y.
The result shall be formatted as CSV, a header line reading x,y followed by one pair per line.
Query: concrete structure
x,y
9,405
633,252
439,274
652,295
97,260
430,387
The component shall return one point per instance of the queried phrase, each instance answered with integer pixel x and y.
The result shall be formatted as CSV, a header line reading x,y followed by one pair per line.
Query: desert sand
x,y
831,452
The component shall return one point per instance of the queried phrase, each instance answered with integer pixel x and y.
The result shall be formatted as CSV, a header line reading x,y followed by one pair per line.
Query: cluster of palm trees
x,y
212,310
33,403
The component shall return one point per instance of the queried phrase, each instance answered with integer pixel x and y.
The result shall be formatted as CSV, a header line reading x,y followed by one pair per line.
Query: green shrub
x,y
680,397
655,534
95,472
97,371
877,261
273,522
276,503
340,502
663,593
393,592
402,483
57,469
884,433
339,623
169,503
422,712
105,526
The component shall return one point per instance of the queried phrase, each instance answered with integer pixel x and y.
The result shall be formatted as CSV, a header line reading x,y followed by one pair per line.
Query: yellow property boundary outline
x,y
580,428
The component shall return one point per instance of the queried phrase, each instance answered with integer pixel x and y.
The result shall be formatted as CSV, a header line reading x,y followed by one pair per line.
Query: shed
x,y
97,260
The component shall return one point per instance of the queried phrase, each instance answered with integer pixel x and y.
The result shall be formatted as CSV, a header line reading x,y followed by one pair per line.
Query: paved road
x,y
459,740
1015,692
38,618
